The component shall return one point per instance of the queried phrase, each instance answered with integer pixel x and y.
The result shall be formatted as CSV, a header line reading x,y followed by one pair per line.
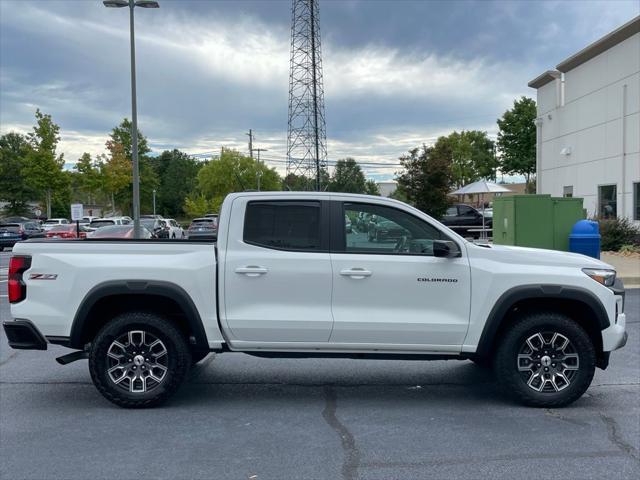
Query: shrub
x,y
616,232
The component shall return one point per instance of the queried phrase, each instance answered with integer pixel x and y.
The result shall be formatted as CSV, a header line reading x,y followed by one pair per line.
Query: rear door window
x,y
283,225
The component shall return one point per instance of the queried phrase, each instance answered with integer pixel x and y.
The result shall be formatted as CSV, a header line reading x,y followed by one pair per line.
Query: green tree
x,y
43,169
472,156
371,187
426,177
89,181
14,188
122,135
119,143
517,139
177,173
300,183
233,172
197,205
115,170
347,177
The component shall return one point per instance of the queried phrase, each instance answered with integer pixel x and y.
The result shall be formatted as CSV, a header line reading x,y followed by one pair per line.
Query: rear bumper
x,y
23,335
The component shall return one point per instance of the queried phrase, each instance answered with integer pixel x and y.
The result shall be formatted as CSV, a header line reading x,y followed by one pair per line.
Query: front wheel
x,y
545,360
138,360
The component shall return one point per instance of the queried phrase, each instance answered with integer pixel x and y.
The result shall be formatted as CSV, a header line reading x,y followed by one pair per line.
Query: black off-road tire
x,y
509,346
178,359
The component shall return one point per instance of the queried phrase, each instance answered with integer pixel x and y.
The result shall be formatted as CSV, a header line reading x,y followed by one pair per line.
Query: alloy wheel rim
x,y
137,362
547,362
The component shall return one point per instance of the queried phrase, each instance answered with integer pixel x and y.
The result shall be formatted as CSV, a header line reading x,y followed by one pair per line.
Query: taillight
x,y
17,288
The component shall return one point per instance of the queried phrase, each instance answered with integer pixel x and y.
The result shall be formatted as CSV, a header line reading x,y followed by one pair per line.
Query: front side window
x,y
283,225
379,229
607,201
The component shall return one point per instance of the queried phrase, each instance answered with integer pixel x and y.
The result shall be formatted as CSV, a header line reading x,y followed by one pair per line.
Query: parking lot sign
x,y
76,211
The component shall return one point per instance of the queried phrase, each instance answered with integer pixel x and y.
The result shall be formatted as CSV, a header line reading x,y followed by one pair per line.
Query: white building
x,y
589,125
387,188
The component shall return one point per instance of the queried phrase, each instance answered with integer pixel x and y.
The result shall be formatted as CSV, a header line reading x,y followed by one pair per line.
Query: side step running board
x,y
72,357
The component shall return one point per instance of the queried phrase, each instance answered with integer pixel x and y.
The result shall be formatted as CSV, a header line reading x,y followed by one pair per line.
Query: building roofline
x,y
546,77
603,44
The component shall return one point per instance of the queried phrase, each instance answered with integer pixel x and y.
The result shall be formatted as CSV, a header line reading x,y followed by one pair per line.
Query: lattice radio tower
x,y
307,137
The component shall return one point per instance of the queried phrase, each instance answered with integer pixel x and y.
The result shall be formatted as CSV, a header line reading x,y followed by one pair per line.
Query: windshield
x,y
52,222
148,222
10,227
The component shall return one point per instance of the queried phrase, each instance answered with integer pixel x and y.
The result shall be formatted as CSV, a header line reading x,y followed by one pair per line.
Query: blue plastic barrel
x,y
585,238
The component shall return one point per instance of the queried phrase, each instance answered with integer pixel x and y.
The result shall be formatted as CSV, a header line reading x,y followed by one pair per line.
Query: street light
x,y
134,113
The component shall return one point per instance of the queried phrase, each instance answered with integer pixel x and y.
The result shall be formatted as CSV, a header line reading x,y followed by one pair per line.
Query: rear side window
x,y
283,225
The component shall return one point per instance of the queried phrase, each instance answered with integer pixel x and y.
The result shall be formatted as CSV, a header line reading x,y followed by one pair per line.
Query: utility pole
x,y
250,134
259,164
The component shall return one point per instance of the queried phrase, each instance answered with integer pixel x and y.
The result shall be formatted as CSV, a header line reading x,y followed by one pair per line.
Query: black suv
x,y
13,232
461,218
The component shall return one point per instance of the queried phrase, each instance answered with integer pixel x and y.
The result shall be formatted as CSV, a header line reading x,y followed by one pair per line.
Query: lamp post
x,y
134,111
154,203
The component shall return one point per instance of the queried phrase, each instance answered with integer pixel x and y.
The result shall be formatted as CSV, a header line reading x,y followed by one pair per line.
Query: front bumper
x,y
615,336
24,335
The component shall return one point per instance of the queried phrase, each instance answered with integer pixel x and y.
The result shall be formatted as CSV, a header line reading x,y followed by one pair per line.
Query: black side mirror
x,y
445,249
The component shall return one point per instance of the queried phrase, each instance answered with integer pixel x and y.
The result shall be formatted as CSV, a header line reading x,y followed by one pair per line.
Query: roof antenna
x,y
239,180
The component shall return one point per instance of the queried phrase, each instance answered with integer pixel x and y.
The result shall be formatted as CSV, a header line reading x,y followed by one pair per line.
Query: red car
x,y
66,231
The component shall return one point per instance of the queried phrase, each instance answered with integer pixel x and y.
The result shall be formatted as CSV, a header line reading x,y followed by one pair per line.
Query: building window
x,y
607,201
636,201
567,191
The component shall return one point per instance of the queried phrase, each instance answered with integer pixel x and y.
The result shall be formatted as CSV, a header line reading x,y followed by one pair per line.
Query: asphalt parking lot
x,y
241,417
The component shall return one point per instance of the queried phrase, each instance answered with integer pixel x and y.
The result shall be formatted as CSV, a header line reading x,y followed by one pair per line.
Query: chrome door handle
x,y
251,270
356,273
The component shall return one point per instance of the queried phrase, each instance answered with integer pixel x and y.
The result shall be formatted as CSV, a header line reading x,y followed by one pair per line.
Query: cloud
x,y
396,73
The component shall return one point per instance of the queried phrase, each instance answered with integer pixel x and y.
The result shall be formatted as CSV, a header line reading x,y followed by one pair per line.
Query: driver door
x,y
392,290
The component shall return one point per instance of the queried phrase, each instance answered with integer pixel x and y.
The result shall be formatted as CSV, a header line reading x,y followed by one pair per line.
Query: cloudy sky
x,y
397,73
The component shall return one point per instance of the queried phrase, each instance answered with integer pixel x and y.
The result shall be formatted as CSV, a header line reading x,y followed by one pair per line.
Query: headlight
x,y
605,277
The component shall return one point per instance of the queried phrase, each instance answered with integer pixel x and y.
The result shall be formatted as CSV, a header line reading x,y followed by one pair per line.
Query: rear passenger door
x,y
277,272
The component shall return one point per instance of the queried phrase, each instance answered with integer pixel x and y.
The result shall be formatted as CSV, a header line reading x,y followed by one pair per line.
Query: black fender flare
x,y
530,292
139,287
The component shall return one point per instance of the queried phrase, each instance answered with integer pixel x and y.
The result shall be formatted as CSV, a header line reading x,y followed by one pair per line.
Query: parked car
x,y
87,220
107,222
158,228
205,228
175,229
461,218
66,231
282,281
10,233
381,230
120,231
51,222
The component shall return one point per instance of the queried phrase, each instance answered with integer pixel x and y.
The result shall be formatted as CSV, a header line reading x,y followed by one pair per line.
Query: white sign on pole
x,y
76,211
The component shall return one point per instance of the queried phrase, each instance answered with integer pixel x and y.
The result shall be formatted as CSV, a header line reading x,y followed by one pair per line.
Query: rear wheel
x,y
545,360
138,360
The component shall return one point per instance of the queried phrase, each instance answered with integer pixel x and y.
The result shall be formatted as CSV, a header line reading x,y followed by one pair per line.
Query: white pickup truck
x,y
288,278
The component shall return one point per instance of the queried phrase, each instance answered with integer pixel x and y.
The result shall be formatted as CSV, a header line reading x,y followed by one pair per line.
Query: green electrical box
x,y
538,221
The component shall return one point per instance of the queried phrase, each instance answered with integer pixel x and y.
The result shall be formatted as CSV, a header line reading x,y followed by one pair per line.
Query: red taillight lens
x,y
17,288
